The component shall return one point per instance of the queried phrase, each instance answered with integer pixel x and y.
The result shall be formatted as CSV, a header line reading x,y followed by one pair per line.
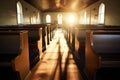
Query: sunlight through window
x,y
59,18
38,18
71,19
48,19
85,18
19,13
101,14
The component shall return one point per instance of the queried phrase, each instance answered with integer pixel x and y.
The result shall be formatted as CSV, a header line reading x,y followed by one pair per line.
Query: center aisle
x,y
56,63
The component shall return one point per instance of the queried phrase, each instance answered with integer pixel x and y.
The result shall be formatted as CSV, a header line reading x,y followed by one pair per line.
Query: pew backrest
x,y
10,44
106,42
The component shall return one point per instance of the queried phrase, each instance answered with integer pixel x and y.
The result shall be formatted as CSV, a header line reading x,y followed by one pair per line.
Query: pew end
x,y
102,52
15,54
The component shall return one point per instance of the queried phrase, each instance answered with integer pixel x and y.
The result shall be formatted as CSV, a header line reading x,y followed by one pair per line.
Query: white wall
x,y
112,12
8,12
30,14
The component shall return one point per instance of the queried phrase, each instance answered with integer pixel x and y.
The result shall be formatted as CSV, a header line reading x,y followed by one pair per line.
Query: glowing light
x,y
101,14
71,19
48,19
19,13
59,18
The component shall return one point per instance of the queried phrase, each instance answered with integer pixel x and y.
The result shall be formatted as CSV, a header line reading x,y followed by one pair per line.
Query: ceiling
x,y
60,5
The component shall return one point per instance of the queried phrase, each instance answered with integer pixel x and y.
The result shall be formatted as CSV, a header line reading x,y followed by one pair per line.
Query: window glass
x,y
101,14
59,18
48,19
19,13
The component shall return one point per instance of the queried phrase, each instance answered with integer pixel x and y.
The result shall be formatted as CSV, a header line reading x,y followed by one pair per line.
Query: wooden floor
x,y
56,62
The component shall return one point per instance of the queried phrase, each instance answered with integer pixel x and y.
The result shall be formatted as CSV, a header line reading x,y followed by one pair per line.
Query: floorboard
x,y
56,63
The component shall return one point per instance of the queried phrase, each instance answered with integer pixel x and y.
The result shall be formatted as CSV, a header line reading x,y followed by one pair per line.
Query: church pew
x,y
33,38
50,32
105,46
78,38
36,33
14,55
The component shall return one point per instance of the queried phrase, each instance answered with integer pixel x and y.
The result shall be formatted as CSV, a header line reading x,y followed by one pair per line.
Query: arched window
x,y
19,13
38,18
85,18
33,19
48,19
59,18
101,15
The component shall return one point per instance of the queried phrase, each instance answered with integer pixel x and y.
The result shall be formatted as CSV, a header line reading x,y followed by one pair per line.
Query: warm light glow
x,y
48,19
74,4
71,19
57,2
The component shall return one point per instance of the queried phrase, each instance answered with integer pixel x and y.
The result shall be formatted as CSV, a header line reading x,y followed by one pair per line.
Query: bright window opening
x,y
38,18
59,18
48,19
71,19
19,13
101,14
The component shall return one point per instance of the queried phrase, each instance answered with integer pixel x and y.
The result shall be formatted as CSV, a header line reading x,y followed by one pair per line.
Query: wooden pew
x,y
14,55
105,46
34,32
79,38
50,31
33,38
